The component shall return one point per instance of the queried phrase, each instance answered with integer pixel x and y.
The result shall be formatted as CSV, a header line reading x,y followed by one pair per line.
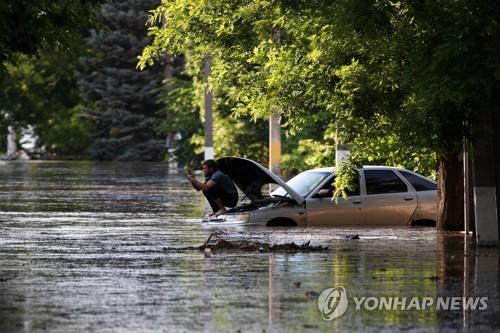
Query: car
x,y
382,195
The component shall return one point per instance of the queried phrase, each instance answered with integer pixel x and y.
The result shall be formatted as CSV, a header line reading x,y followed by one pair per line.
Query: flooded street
x,y
92,247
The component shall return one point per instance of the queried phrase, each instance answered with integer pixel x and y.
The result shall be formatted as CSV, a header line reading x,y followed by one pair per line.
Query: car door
x,y
322,211
426,195
388,199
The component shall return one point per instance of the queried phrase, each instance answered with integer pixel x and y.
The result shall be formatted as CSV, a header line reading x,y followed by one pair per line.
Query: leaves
x,y
345,175
400,77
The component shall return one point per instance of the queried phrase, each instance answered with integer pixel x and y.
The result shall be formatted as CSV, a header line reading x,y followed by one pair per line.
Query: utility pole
x,y
275,124
11,142
209,145
275,142
341,149
170,140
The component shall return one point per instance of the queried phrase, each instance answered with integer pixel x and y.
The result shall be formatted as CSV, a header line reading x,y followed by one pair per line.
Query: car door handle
x,y
408,198
357,202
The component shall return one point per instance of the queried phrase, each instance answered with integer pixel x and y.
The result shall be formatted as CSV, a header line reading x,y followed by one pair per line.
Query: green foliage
x,y
29,26
308,154
238,137
39,43
121,102
344,178
400,78
182,97
41,91
65,134
181,117
376,142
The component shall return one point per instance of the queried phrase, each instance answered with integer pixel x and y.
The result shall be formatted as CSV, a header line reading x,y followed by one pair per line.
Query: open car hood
x,y
250,176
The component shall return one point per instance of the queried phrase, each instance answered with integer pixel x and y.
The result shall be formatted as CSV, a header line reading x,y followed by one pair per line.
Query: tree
x,y
31,29
411,73
40,91
28,26
121,102
309,77
446,55
233,136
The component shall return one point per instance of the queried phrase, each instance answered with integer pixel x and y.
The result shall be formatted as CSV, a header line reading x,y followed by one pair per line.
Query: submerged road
x,y
90,247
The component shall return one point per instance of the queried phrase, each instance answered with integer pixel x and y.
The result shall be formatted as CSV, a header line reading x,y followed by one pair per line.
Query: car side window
x,y
383,181
419,183
350,192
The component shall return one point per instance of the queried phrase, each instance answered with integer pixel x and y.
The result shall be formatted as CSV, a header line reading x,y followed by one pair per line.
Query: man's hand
x,y
189,175
199,186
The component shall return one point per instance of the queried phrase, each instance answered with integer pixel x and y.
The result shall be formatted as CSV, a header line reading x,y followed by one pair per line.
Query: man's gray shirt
x,y
224,183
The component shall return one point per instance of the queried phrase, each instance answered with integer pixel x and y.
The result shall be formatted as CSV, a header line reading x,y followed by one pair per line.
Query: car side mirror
x,y
324,193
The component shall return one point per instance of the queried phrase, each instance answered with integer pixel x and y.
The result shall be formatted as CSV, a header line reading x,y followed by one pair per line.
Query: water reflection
x,y
82,248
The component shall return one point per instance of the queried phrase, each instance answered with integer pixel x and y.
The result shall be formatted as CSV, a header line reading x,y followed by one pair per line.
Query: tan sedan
x,y
382,196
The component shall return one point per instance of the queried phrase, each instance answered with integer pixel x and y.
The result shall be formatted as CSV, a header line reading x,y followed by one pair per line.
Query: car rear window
x,y
419,183
383,181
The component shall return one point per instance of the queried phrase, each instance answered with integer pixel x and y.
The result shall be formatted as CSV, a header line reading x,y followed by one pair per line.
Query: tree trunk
x,y
450,193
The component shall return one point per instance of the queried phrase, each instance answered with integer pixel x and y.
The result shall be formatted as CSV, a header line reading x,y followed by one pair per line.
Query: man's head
x,y
209,167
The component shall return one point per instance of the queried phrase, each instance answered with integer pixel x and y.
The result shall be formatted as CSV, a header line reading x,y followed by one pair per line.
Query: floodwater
x,y
83,247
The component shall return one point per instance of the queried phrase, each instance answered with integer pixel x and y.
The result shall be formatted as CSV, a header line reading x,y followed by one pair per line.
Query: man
x,y
217,188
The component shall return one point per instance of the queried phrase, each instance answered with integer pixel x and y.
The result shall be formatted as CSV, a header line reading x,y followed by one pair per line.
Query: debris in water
x,y
6,278
310,326
216,242
352,236
297,284
208,252
311,294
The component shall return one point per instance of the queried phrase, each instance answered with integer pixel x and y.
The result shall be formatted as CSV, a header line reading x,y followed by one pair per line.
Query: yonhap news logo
x,y
333,303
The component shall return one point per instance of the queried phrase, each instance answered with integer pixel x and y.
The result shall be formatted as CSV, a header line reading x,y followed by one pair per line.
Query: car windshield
x,y
303,183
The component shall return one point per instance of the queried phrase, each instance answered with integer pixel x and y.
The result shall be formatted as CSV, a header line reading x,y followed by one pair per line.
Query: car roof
x,y
367,167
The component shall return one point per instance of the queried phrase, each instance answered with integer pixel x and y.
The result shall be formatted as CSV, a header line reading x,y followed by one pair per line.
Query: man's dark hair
x,y
211,164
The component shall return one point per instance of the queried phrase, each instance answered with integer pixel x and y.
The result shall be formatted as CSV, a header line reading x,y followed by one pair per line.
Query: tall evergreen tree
x,y
121,101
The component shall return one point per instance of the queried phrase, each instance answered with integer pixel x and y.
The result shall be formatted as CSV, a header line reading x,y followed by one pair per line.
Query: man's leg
x,y
230,200
225,200
221,207
212,199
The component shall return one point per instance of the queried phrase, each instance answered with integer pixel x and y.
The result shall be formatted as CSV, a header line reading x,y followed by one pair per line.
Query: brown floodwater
x,y
92,247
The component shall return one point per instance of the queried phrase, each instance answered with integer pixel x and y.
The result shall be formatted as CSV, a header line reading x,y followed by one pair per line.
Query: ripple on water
x,y
82,249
